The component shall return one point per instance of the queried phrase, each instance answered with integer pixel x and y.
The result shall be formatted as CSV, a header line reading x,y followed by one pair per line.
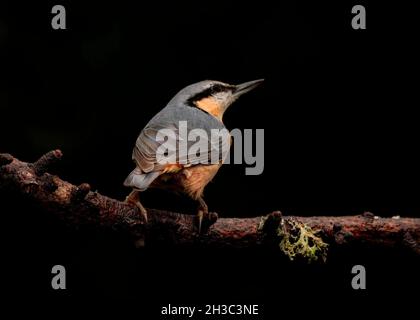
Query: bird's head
x,y
214,97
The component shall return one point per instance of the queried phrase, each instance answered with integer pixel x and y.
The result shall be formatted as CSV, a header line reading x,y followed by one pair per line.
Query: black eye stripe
x,y
217,88
208,92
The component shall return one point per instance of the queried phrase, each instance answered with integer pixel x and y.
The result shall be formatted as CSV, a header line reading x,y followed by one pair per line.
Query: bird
x,y
201,106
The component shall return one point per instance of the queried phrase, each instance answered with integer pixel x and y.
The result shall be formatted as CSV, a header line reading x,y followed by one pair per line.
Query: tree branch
x,y
78,205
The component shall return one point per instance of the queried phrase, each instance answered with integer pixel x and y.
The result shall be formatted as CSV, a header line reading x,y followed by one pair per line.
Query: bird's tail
x,y
140,181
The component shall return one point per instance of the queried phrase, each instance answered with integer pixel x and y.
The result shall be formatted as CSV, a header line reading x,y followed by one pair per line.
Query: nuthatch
x,y
202,106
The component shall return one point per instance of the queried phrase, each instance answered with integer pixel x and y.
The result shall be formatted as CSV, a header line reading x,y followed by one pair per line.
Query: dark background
x,y
341,137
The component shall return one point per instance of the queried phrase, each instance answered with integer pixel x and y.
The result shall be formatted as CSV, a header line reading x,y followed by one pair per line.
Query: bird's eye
x,y
217,88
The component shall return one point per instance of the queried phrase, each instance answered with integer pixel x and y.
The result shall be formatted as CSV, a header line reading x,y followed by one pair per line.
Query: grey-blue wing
x,y
208,140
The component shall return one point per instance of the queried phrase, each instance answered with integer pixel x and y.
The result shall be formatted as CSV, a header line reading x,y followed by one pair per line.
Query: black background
x,y
341,137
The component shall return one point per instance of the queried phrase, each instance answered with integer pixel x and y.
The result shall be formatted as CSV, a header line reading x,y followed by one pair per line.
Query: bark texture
x,y
78,206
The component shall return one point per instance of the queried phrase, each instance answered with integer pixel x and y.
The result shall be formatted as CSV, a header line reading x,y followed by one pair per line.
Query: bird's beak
x,y
242,88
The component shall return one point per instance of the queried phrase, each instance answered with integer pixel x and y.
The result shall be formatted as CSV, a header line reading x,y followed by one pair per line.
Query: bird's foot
x,y
200,217
138,204
205,220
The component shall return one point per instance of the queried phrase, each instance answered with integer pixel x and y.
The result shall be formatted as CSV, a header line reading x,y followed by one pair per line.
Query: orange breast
x,y
173,168
211,106
190,181
197,177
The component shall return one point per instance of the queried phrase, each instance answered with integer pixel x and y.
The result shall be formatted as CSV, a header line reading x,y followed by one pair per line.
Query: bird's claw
x,y
205,220
143,211
200,217
137,203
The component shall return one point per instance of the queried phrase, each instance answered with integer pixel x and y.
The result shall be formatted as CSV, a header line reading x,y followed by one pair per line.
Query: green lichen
x,y
298,240
262,223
